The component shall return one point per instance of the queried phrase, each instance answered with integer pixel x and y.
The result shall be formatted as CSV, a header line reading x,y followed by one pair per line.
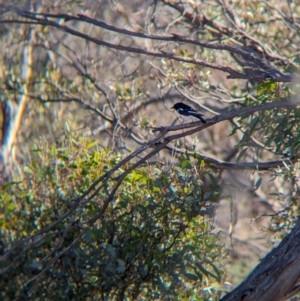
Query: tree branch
x,y
219,164
264,72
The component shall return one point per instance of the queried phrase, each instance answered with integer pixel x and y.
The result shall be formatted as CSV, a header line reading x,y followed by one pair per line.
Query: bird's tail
x,y
199,116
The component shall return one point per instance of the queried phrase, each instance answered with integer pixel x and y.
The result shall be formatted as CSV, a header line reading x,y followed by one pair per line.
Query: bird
x,y
186,112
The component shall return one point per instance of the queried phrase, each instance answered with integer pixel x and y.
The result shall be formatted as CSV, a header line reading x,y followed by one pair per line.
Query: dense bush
x,y
154,240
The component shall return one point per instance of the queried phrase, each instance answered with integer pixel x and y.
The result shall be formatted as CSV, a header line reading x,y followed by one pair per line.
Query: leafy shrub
x,y
152,241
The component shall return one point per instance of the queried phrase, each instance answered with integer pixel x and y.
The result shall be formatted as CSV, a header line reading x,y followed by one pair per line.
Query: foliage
x,y
154,240
117,219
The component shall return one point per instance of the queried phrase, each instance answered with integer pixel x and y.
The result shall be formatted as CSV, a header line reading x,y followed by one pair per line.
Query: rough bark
x,y
276,277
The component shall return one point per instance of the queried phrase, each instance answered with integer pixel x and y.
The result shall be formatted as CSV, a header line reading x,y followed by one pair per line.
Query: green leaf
x,y
189,199
286,166
258,183
53,150
26,169
267,88
205,271
242,153
190,276
185,164
90,145
253,124
9,185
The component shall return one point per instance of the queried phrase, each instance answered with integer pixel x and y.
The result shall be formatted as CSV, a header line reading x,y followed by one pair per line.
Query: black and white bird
x,y
187,113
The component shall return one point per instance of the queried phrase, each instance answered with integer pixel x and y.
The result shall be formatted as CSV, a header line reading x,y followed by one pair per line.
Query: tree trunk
x,y
13,112
277,275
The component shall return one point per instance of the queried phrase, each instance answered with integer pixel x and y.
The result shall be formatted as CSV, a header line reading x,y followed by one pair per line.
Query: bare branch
x,y
263,72
219,164
203,20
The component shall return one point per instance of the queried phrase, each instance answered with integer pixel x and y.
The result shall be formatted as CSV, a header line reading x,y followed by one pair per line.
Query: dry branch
x,y
263,71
